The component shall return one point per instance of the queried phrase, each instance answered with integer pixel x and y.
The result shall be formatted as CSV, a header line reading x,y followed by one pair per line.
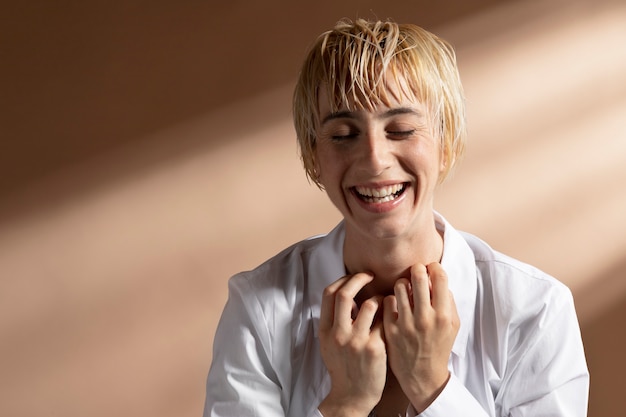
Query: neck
x,y
391,258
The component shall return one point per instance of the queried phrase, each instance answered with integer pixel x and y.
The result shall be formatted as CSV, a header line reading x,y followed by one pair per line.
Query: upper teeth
x,y
379,192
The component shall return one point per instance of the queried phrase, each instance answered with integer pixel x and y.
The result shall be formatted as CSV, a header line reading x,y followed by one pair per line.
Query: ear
x,y
445,159
316,172
446,162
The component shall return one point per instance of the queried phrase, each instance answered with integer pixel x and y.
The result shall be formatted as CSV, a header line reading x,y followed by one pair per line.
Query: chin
x,y
384,230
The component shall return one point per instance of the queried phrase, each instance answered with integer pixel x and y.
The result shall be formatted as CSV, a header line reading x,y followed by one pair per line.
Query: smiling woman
x,y
394,312
421,66
394,146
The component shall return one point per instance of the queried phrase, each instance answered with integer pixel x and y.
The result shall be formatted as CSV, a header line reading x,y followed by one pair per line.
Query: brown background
x,y
147,154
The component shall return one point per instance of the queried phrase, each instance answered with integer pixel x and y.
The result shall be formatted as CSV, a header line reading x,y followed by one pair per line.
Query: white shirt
x,y
518,351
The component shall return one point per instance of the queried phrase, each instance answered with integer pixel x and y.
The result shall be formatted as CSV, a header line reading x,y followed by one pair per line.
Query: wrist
x,y
330,407
423,396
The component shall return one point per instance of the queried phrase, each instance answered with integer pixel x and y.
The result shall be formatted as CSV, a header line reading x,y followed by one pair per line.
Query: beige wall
x,y
146,154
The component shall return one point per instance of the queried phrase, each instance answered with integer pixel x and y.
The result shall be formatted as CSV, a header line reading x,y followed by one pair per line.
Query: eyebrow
x,y
346,114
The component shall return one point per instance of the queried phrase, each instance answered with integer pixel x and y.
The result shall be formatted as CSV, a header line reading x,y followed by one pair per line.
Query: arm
x,y
241,380
551,376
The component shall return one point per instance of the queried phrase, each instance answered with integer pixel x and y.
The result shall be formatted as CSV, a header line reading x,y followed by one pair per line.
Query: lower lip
x,y
380,207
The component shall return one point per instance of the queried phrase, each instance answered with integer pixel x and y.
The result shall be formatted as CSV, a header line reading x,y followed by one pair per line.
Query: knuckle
x,y
456,322
447,319
343,296
371,350
353,345
338,339
440,275
391,332
443,320
369,305
423,323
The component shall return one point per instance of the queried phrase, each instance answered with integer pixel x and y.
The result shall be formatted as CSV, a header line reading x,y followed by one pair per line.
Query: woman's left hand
x,y
421,323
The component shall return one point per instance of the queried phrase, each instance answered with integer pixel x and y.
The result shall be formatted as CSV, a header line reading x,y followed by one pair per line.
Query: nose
x,y
374,154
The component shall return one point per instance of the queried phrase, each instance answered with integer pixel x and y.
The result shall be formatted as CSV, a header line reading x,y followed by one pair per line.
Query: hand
x,y
420,325
352,348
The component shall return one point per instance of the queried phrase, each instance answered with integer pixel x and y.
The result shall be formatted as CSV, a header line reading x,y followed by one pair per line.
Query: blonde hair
x,y
352,61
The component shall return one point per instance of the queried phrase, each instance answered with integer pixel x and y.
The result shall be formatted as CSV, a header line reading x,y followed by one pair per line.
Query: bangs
x,y
360,62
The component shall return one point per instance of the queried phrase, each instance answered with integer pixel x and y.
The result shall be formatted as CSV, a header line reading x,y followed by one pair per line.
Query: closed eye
x,y
339,138
401,133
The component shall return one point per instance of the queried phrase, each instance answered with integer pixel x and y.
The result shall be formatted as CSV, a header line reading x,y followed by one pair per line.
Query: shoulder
x,y
510,271
269,299
515,287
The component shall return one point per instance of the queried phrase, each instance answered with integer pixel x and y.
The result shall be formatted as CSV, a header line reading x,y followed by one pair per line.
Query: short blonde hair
x,y
352,60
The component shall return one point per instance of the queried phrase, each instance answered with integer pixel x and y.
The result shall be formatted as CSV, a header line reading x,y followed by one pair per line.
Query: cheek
x,y
325,175
322,170
434,154
331,175
325,162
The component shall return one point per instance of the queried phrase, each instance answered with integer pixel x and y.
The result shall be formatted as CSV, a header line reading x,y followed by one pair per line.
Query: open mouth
x,y
380,194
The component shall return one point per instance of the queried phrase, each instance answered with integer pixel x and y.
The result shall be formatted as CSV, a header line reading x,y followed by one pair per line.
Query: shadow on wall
x,y
605,340
83,78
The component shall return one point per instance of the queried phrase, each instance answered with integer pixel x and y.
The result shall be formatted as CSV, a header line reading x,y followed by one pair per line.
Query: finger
x,y
344,298
327,310
440,291
367,314
403,300
421,289
390,310
378,329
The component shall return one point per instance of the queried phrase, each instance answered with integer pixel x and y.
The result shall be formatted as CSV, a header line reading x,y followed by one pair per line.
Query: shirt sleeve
x,y
454,400
551,378
241,381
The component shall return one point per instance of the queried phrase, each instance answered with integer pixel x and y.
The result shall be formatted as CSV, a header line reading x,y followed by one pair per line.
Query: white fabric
x,y
518,351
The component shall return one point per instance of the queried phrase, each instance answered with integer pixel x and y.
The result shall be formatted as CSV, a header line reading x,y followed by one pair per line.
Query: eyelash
x,y
339,138
400,133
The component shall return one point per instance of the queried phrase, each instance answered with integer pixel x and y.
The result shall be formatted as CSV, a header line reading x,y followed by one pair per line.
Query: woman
x,y
394,312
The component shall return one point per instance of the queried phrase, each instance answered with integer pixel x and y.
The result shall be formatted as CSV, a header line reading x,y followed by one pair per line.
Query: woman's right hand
x,y
352,347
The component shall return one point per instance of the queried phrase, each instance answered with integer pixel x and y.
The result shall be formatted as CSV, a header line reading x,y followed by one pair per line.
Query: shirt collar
x,y
459,263
326,266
